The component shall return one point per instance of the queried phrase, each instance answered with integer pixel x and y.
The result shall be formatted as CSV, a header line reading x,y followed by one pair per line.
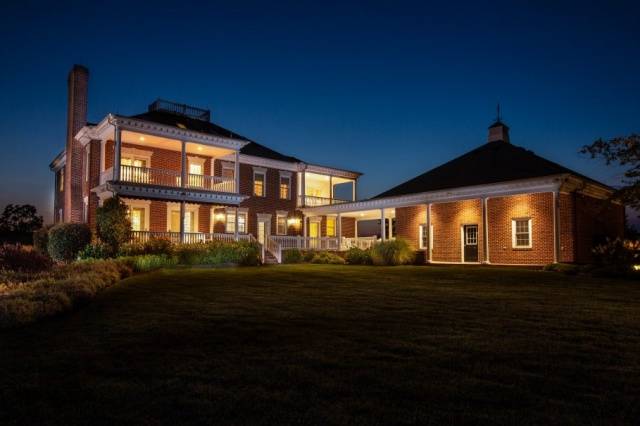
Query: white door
x,y
264,230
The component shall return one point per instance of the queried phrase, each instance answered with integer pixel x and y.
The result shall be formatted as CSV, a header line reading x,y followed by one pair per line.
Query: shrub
x,y
41,239
95,251
392,253
309,255
150,262
60,290
21,259
358,256
112,223
217,253
292,256
131,249
67,239
617,255
327,257
565,268
158,246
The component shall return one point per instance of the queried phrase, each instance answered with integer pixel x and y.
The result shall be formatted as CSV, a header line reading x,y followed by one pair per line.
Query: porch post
x,y
303,194
339,230
236,173
304,226
390,227
183,165
182,211
430,237
485,226
356,231
382,223
235,232
353,190
117,153
330,189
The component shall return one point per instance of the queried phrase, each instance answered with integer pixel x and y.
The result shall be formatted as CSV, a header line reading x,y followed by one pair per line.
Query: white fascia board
x,y
527,186
324,170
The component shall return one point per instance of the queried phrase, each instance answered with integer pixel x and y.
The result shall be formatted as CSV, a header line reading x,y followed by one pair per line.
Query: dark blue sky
x,y
389,89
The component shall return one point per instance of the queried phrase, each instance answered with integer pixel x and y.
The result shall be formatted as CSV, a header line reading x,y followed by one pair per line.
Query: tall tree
x,y
625,152
17,223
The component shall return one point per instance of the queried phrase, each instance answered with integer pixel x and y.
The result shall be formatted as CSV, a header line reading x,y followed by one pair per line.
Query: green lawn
x,y
333,345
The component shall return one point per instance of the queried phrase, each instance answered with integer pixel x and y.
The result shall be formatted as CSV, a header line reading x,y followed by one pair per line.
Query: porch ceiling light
x,y
293,221
220,217
141,138
199,148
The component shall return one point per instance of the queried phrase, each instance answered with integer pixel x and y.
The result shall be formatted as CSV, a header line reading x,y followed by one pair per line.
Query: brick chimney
x,y
498,131
77,86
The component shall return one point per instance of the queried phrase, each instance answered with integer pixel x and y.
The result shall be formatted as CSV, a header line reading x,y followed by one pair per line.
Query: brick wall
x,y
595,220
447,220
94,180
567,228
408,220
348,227
501,211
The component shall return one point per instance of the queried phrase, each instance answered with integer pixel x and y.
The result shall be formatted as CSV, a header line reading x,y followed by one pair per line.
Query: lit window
x,y
195,169
136,215
281,225
424,237
521,233
285,187
259,183
228,171
331,227
242,223
189,221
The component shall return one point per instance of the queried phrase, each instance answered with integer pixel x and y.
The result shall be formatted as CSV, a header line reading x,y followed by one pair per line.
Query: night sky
x,y
390,89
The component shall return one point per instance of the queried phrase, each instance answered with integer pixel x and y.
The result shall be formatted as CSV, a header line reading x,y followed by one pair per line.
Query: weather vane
x,y
498,112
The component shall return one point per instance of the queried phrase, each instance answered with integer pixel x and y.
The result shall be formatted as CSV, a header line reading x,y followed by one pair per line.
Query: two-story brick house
x,y
188,179
172,162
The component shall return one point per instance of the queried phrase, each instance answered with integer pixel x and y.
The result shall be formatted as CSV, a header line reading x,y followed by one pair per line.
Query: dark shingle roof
x,y
252,148
492,162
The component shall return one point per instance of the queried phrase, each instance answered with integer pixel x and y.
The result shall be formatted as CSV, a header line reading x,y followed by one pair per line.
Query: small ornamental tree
x,y
112,223
67,239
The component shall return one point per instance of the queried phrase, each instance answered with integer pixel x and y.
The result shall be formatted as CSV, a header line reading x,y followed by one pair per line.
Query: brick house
x,y
188,179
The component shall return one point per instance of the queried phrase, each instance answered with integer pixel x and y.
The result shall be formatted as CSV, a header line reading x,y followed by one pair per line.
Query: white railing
x,y
171,178
189,237
212,183
273,247
307,243
313,201
360,242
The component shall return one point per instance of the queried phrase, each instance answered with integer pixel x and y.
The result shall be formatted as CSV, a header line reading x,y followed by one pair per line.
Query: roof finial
x,y
498,118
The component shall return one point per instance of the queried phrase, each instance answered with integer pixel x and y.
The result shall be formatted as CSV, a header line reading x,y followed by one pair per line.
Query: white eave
x,y
105,130
526,186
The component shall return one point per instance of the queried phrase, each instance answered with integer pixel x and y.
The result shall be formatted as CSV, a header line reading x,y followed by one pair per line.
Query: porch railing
x,y
189,237
313,201
307,243
273,247
171,178
360,242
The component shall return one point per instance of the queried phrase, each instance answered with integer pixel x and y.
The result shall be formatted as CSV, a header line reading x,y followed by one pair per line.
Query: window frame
x,y
421,237
263,173
335,226
282,217
514,233
229,226
288,178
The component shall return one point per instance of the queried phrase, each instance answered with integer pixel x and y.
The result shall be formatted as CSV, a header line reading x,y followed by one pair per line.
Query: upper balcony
x,y
324,189
158,167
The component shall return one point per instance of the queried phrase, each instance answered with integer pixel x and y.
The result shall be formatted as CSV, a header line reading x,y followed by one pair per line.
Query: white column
x,y
117,154
183,165
339,230
356,231
485,226
330,189
235,233
390,227
382,223
236,173
430,237
353,190
103,145
303,190
182,212
304,226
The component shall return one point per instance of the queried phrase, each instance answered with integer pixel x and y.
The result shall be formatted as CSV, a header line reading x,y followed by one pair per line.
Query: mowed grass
x,y
317,344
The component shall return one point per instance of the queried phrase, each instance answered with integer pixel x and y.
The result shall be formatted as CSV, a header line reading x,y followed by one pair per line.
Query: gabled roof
x,y
492,162
252,148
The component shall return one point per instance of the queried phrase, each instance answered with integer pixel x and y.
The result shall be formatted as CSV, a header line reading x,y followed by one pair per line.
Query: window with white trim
x,y
424,237
231,222
259,183
228,170
281,225
521,232
285,187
